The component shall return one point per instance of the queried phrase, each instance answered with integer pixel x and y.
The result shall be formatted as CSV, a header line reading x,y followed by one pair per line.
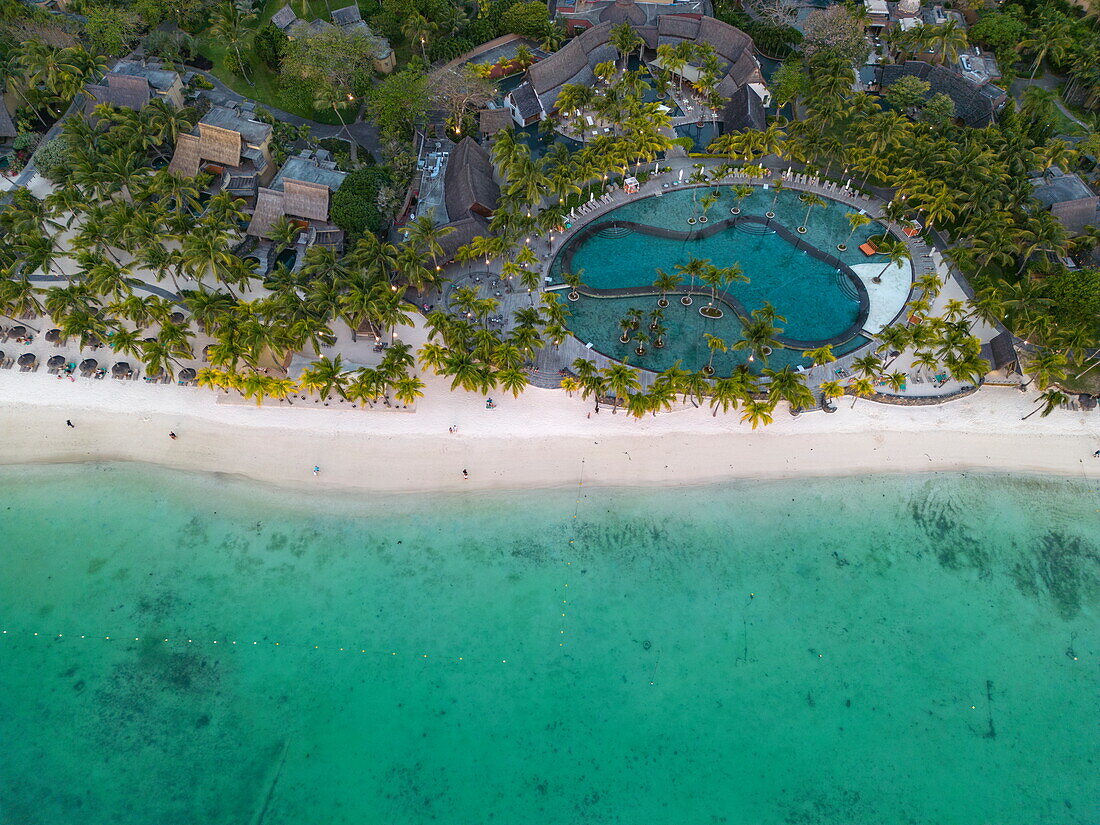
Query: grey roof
x,y
7,128
744,111
526,101
348,16
468,184
284,18
971,104
1059,188
1000,352
492,121
307,170
159,78
252,131
623,11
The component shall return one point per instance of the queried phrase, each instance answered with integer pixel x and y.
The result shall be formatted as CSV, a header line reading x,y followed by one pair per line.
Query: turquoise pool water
x,y
819,303
868,650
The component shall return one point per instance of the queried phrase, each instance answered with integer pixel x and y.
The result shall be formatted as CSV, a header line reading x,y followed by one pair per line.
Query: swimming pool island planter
x,y
686,293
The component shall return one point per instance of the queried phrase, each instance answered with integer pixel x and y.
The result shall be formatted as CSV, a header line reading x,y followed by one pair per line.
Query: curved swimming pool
x,y
803,275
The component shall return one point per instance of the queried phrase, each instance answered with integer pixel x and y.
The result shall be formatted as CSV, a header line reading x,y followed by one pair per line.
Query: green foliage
x,y
189,15
25,141
399,102
330,60
769,38
269,44
937,110
836,31
175,46
530,19
1076,299
110,30
1000,31
354,206
906,93
52,159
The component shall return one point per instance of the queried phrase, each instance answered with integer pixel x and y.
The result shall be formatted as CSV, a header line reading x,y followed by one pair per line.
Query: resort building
x,y
470,195
976,104
581,14
229,145
348,19
133,83
1068,198
536,98
301,191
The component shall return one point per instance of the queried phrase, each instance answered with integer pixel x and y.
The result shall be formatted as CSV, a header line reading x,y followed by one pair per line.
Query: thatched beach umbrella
x,y
18,332
177,317
88,364
28,359
187,374
121,368
56,362
53,336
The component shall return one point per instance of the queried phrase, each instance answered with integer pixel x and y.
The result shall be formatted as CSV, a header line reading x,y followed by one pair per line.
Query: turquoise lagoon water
x,y
819,303
870,650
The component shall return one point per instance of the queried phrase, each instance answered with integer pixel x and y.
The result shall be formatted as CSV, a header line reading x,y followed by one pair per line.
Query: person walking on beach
x,y
316,470
172,436
69,424
1094,455
465,475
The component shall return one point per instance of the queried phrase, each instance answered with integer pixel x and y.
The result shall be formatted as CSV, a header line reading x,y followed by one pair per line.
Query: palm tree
x,y
417,29
230,24
714,345
810,200
1049,400
855,221
831,390
758,413
820,356
324,376
665,283
948,40
621,380
896,252
861,388
740,192
695,268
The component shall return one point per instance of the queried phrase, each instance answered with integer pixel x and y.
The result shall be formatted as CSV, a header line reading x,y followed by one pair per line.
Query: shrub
x,y
268,45
354,206
52,159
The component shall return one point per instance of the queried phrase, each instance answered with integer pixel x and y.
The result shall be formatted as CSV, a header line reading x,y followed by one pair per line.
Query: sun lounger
x,y
868,248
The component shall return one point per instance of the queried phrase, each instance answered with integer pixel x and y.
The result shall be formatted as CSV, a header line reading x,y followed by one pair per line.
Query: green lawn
x,y
265,86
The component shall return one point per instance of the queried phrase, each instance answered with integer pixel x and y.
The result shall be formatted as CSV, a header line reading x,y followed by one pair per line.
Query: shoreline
x,y
541,440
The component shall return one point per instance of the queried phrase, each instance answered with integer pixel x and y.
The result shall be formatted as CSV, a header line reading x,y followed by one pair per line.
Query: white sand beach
x,y
541,439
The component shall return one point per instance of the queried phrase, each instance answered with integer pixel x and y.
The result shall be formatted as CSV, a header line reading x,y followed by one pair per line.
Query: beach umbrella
x,y
53,335
28,359
1,356
157,373
681,174
18,332
121,368
56,362
187,374
206,352
177,317
88,364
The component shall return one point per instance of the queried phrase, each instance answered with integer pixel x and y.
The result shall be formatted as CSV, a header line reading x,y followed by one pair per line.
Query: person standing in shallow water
x,y
465,475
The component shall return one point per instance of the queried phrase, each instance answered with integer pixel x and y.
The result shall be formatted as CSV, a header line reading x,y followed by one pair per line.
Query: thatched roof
x,y
123,91
1068,198
305,200
573,63
347,16
269,208
494,120
1000,352
186,160
468,184
971,105
465,230
284,18
744,111
254,132
623,11
526,101
219,145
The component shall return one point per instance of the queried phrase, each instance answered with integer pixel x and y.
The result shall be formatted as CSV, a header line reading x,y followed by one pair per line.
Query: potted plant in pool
x,y
641,341
655,318
573,281
698,176
715,345
635,316
664,284
776,188
693,268
627,327
659,333
715,277
740,192
855,221
707,201
809,200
